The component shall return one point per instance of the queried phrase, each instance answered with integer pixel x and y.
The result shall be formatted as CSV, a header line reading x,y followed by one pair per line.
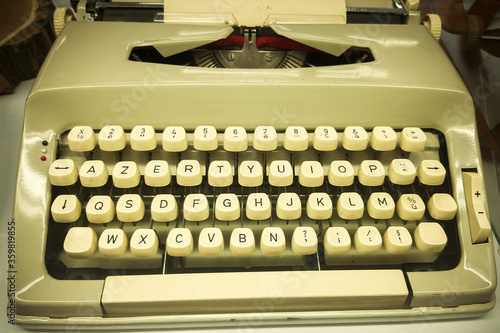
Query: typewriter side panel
x,y
37,292
474,279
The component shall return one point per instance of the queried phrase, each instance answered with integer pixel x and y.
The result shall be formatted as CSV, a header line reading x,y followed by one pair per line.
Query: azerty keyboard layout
x,y
149,201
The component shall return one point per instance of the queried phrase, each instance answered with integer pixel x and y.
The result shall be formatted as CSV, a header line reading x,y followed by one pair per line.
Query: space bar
x,y
253,292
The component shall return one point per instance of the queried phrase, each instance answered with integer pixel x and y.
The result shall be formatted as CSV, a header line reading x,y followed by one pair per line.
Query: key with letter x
x,y
144,243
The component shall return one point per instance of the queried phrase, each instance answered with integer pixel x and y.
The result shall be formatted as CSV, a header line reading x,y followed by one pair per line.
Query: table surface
x,y
11,113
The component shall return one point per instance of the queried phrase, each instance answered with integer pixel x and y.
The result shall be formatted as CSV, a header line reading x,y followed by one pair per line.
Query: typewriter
x,y
262,161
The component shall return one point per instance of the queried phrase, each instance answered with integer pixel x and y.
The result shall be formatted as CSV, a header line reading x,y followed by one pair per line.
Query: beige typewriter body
x,y
88,80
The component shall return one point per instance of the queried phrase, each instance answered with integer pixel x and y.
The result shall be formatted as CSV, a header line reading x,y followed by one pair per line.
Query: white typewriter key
x,y
235,139
397,240
280,173
174,139
157,173
431,172
350,206
80,242
355,138
430,237
258,206
319,206
143,138
311,174
81,138
304,241
371,173
325,138
205,138
112,138
130,208
220,174
144,243
93,174
265,138
126,174
337,240
410,207
412,139
250,174
164,208
288,206
478,220
341,173
211,242
179,242
189,173
196,207
113,243
296,138
402,172
380,206
272,241
100,209
63,172
242,242
367,240
227,207
442,206
383,138
66,208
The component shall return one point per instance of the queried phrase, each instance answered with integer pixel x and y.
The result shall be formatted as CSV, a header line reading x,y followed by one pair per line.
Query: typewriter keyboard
x,y
144,201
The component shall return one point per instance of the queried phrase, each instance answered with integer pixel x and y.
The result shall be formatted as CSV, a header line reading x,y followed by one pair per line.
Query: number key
x,y
296,138
325,138
235,139
81,139
383,138
143,138
112,138
355,138
205,138
174,139
265,138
